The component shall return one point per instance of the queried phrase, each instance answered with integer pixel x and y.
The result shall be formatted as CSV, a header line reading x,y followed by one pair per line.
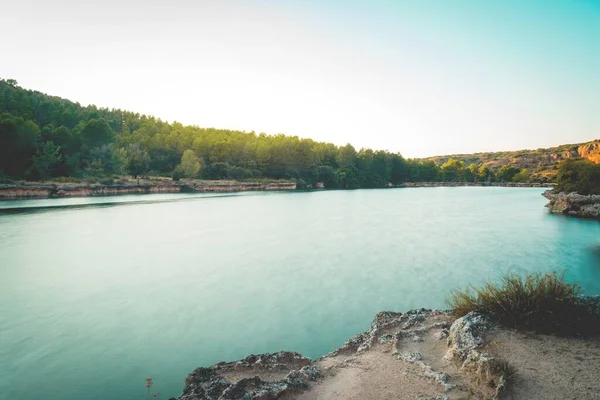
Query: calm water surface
x,y
97,294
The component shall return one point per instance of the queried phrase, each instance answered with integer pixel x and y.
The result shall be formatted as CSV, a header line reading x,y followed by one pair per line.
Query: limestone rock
x,y
210,383
465,335
574,204
464,341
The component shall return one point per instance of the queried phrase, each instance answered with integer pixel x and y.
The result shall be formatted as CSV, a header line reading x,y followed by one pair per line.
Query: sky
x,y
420,77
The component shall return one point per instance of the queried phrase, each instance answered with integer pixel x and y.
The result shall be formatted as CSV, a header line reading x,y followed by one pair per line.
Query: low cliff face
x,y
421,354
83,190
401,356
263,376
574,204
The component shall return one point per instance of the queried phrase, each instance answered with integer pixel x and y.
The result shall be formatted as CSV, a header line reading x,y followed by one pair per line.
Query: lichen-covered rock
x,y
270,361
385,320
210,383
466,333
411,357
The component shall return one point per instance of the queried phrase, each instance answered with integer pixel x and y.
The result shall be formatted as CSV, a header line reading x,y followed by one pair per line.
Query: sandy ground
x,y
546,367
373,375
379,373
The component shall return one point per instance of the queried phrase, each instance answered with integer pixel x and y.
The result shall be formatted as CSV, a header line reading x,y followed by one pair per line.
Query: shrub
x,y
185,189
541,302
106,181
177,175
581,176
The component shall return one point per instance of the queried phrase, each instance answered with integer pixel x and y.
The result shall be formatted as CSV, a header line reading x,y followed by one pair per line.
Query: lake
x,y
96,294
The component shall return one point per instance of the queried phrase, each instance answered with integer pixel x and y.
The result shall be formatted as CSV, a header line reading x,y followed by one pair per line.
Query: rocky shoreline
x,y
420,354
574,204
58,190
54,190
477,184
392,335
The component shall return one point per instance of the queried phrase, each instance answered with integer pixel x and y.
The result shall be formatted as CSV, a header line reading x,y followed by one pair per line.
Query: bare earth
x,y
549,367
546,367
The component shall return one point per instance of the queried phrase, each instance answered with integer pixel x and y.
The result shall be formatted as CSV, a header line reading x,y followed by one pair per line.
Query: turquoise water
x,y
97,294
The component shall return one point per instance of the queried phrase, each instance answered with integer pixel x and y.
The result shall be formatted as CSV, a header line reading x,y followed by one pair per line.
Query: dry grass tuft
x,y
505,369
541,302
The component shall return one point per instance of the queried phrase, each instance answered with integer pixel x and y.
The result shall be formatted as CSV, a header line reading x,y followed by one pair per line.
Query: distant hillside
x,y
543,163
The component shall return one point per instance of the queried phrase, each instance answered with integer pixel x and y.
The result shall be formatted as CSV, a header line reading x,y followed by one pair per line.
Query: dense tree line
x,y
44,137
581,176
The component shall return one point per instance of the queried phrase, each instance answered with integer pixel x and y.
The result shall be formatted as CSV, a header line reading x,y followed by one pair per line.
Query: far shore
x,y
478,184
44,190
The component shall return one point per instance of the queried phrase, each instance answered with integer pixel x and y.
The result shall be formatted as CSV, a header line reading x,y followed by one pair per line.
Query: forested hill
x,y
543,163
44,137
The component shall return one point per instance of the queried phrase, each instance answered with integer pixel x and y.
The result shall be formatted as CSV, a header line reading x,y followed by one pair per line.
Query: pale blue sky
x,y
419,77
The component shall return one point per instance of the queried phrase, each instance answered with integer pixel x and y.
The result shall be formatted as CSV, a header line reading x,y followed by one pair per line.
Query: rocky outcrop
x,y
407,338
422,354
590,151
464,346
21,191
263,376
574,204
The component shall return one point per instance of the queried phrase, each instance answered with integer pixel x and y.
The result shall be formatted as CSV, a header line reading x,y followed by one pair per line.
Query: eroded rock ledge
x,y
425,346
24,191
263,376
574,204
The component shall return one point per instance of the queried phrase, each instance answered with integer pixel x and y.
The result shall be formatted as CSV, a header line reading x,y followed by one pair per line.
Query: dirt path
x,y
401,366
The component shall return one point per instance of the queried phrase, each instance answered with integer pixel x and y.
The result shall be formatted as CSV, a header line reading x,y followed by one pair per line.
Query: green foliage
x,y
541,302
163,161
19,140
300,184
346,155
177,175
46,159
506,173
137,160
96,142
453,170
470,173
579,176
485,174
522,176
97,132
119,161
218,170
326,175
190,164
348,177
